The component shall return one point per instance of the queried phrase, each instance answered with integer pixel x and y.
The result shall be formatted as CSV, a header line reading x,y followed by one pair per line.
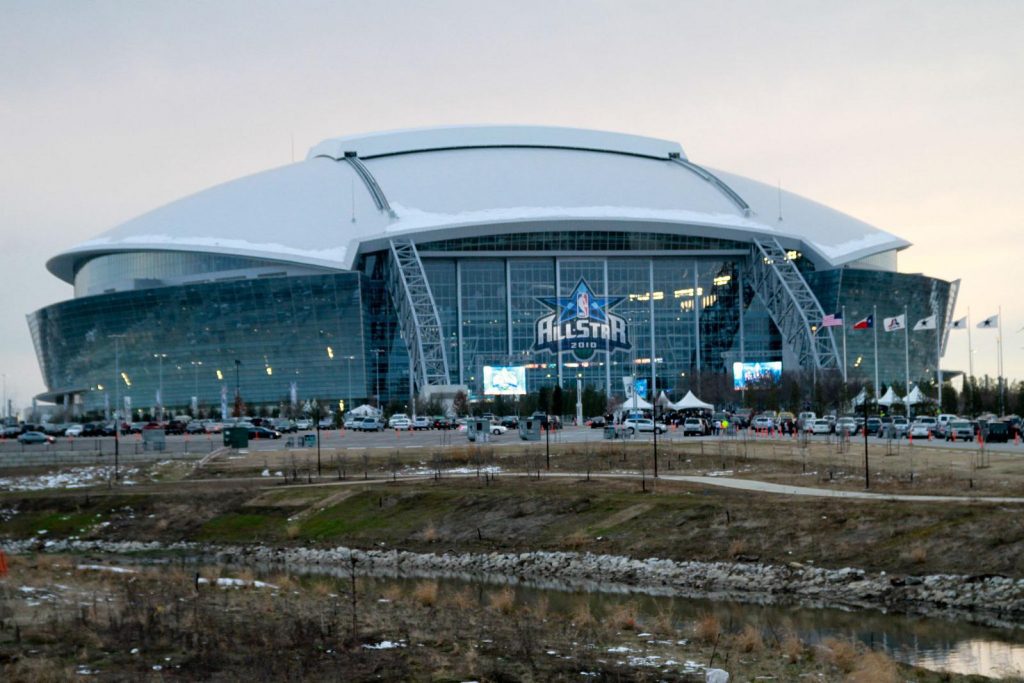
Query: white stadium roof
x,y
460,181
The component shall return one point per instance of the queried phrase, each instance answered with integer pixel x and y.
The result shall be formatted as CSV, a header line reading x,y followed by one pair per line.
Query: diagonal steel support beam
x,y
777,282
418,318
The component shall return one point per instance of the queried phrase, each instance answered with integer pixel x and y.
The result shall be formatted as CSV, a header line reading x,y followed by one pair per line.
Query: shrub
x,y
874,667
503,601
840,653
576,540
430,534
749,640
918,555
737,547
708,628
792,648
624,616
425,593
582,617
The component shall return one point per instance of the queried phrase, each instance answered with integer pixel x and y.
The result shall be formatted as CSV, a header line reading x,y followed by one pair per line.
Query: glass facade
x,y
682,316
884,294
682,301
306,330
143,269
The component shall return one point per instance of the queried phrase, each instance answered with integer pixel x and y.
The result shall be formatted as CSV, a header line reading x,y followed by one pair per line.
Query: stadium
x,y
400,264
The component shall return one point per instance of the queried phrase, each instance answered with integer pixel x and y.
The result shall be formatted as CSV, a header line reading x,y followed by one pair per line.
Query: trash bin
x,y
236,437
309,440
529,429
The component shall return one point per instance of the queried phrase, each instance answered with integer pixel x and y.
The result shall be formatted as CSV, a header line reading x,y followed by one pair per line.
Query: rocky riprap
x,y
997,600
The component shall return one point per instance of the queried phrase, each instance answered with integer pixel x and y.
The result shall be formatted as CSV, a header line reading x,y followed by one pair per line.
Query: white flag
x,y
925,324
990,322
892,324
960,324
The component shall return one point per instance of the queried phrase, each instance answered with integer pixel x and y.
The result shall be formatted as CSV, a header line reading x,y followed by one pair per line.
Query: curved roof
x,y
354,193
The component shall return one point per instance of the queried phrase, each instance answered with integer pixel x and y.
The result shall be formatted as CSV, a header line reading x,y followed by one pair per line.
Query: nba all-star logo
x,y
581,323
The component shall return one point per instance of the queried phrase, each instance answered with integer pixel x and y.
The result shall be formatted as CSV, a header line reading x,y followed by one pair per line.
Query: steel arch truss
x,y
792,305
418,318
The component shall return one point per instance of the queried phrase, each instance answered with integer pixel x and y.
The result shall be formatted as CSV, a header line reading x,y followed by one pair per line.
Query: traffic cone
x,y
952,435
1016,438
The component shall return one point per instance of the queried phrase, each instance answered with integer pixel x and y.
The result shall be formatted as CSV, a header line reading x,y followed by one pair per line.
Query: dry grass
x,y
503,601
874,667
708,629
582,617
841,654
918,555
749,639
792,648
575,540
425,593
393,593
430,534
292,531
624,616
737,547
463,600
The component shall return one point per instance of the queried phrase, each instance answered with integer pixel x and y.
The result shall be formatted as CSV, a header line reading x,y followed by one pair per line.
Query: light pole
x,y
348,378
196,364
117,401
160,384
238,390
376,375
5,411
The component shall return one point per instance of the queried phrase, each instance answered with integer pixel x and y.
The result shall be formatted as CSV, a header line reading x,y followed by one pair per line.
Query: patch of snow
x,y
721,473
73,478
385,645
105,568
226,582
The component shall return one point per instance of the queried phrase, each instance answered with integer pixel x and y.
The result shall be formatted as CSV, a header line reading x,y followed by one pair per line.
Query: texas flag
x,y
989,323
865,324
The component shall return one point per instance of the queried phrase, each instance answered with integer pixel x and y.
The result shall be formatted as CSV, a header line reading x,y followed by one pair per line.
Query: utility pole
x,y
654,414
867,475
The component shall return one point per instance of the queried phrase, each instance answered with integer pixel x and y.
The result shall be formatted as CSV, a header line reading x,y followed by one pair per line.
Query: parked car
x,y
820,426
693,426
642,424
510,421
442,422
420,423
10,432
285,426
497,429
959,430
900,425
921,430
263,433
35,437
73,430
402,423
351,422
597,422
195,427
847,425
873,426
761,422
398,417
327,422
370,424
303,425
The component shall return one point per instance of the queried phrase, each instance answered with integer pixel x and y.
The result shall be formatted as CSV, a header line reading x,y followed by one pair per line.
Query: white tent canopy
x,y
889,398
663,400
860,398
691,402
915,397
365,410
634,402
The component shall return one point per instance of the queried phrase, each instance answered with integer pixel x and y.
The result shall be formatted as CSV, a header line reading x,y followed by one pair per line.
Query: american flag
x,y
832,320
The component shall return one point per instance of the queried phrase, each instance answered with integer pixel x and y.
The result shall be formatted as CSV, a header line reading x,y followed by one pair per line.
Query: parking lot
x,y
199,445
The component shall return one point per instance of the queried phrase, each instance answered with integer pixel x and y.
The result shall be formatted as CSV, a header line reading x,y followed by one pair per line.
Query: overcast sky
x,y
905,114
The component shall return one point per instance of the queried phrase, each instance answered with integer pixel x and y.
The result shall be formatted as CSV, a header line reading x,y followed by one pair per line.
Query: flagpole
x,y
970,347
874,328
1002,382
938,353
845,376
906,350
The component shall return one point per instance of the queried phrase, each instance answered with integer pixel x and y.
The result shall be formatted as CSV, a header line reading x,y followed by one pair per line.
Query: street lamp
x,y
196,364
376,374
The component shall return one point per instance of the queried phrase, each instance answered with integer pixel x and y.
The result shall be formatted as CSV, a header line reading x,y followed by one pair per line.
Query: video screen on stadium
x,y
744,374
504,380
